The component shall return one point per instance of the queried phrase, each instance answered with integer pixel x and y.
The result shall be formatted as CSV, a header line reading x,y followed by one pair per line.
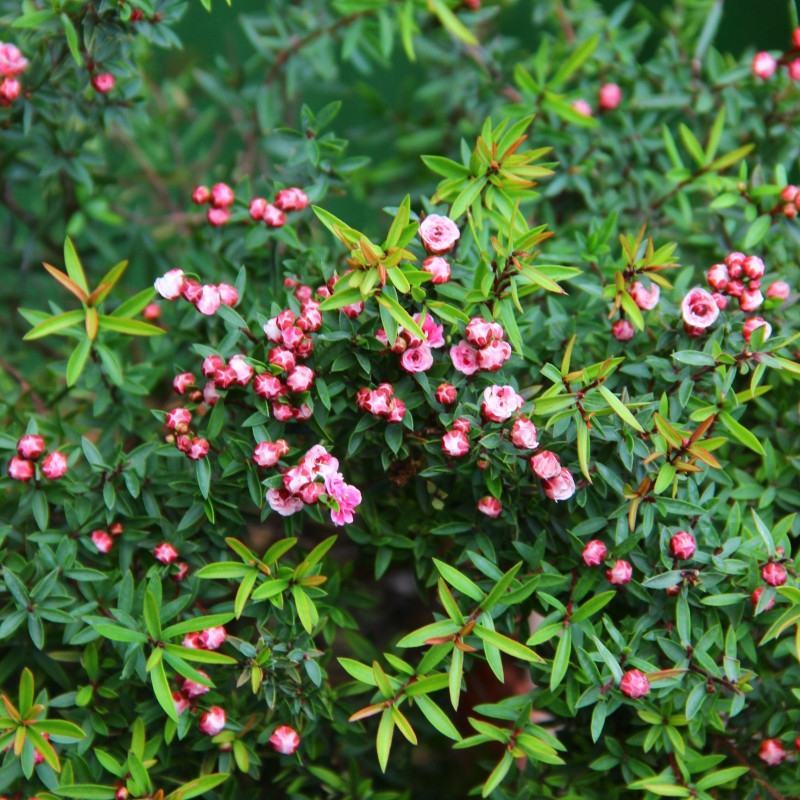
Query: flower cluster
x,y
206,298
609,97
381,402
557,481
219,198
178,422
274,214
765,65
484,348
12,65
315,478
104,540
790,197
30,448
415,353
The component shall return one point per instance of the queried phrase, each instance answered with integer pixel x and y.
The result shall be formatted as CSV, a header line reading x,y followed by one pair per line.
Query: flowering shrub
x,y
438,440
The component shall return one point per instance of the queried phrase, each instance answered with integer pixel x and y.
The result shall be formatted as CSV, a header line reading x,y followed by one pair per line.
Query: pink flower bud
x,y
10,89
500,403
165,553
268,454
796,38
222,195
609,97
268,386
438,267
258,205
273,216
20,469
182,382
620,573
311,492
717,277
523,434
170,285
582,107
54,466
353,310
284,503
213,638
178,420
772,752
282,412
773,573
754,268
735,287
151,312
292,336
209,301
292,199
455,443
756,596
682,545
793,69
560,487
699,309
102,541
198,449
103,82
635,684
480,332
490,506
492,357
622,330
721,300
211,364
594,553
764,65
228,294
645,297
734,261
545,465
439,234
280,357
778,290
464,358
300,379
285,740
751,299
12,62
789,193
31,446
212,721
242,369
446,394
210,393
122,792
752,323
180,702
218,216
181,571
201,195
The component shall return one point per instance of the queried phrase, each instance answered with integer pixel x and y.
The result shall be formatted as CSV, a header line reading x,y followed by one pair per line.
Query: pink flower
x,y
434,334
151,312
793,69
561,487
285,740
292,199
764,65
218,216
464,358
213,638
446,394
462,424
284,503
417,359
198,449
103,82
609,97
192,640
201,195
500,402
102,541
311,492
268,386
282,412
752,323
438,267
320,463
353,310
582,107
545,465
772,752
699,309
620,573
300,379
751,299
241,367
31,446
594,553
212,721
274,217
622,330
165,553
225,377
178,420
211,364
492,357
778,290
12,62
280,357
717,277
170,284
754,268
721,300
54,466
480,332
222,195
682,545
10,89
439,234
20,469
209,301
773,573
268,454
228,294
490,506
183,381
346,497
635,684
194,689
756,596
181,704
789,193
258,205
646,299
523,434
210,393
455,443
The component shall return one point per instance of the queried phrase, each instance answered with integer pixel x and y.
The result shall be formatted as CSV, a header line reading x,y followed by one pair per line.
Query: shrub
x,y
495,496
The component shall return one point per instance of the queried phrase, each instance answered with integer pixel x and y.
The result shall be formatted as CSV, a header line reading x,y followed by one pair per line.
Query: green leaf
x,y
197,624
401,316
458,580
764,532
445,167
202,470
75,50
720,777
358,671
437,717
134,305
577,57
592,606
130,327
158,678
306,610
435,630
451,22
199,786
109,281
757,231
507,645
497,774
383,741
270,588
619,408
77,361
466,197
60,727
746,437
119,634
26,692
455,675
561,660
86,791
152,618
314,557
55,324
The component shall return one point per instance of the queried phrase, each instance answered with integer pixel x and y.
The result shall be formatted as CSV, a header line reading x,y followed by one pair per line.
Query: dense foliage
x,y
441,437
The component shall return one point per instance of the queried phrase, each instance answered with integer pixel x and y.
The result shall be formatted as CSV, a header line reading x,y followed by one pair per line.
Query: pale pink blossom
x,y
500,403
582,107
699,309
300,379
228,295
645,297
31,446
268,386
751,299
764,65
455,443
345,496
183,381
524,435
594,553
165,553
209,301
778,290
772,752
268,454
242,368
464,358
560,487
545,465
283,502
717,277
218,216
170,284
54,466
178,420
609,96
212,721
102,541
492,357
490,506
438,267
213,638
439,234
12,62
285,740
417,359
